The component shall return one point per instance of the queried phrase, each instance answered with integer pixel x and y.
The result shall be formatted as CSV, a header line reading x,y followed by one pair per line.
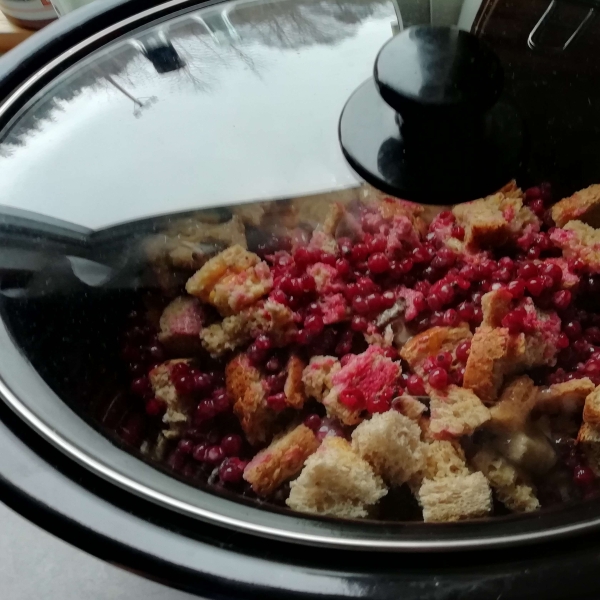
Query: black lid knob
x,y
438,72
430,127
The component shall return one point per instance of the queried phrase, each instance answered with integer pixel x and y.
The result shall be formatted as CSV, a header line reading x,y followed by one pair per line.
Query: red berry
x,y
231,445
302,257
436,319
533,193
451,318
277,402
273,365
514,321
376,244
458,232
185,446
307,284
156,352
562,341
232,470
275,383
359,324
141,387
327,258
463,350
391,353
353,398
342,266
438,378
443,360
256,355
503,274
534,252
388,299
380,403
572,329
346,359
214,455
466,310
592,335
516,288
537,206
359,253
202,382
375,302
199,452
528,270
583,476
561,299
366,286
154,407
553,271
263,342
313,421
359,304
314,324
205,411
221,401
535,286
414,385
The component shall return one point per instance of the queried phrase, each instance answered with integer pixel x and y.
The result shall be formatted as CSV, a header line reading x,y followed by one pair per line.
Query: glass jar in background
x,y
63,7
31,14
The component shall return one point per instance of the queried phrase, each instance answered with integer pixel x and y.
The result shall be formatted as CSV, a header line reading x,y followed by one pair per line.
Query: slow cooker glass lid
x,y
213,106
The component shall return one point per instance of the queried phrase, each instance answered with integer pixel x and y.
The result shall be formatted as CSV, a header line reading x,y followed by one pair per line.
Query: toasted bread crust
x,y
514,405
485,366
317,375
583,205
336,481
455,412
231,281
588,440
391,444
455,498
281,460
579,240
494,220
568,396
244,385
294,387
180,326
512,487
264,317
591,408
495,306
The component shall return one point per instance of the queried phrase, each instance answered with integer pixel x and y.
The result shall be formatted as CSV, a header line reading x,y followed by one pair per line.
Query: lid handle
x,y
438,73
430,126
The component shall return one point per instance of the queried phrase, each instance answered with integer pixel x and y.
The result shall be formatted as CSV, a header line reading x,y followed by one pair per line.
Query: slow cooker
x,y
124,114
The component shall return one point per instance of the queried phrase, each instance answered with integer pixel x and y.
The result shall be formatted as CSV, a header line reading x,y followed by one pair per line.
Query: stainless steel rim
x,y
14,365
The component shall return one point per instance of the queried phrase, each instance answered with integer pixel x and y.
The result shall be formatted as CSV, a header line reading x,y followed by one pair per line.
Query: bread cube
x,y
281,460
583,205
455,498
391,444
516,401
335,481
455,412
180,326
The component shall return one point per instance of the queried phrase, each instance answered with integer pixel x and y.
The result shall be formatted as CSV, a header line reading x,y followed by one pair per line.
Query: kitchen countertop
x,y
35,564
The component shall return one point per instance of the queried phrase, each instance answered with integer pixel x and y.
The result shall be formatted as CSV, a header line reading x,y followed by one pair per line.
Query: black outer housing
x,y
112,524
